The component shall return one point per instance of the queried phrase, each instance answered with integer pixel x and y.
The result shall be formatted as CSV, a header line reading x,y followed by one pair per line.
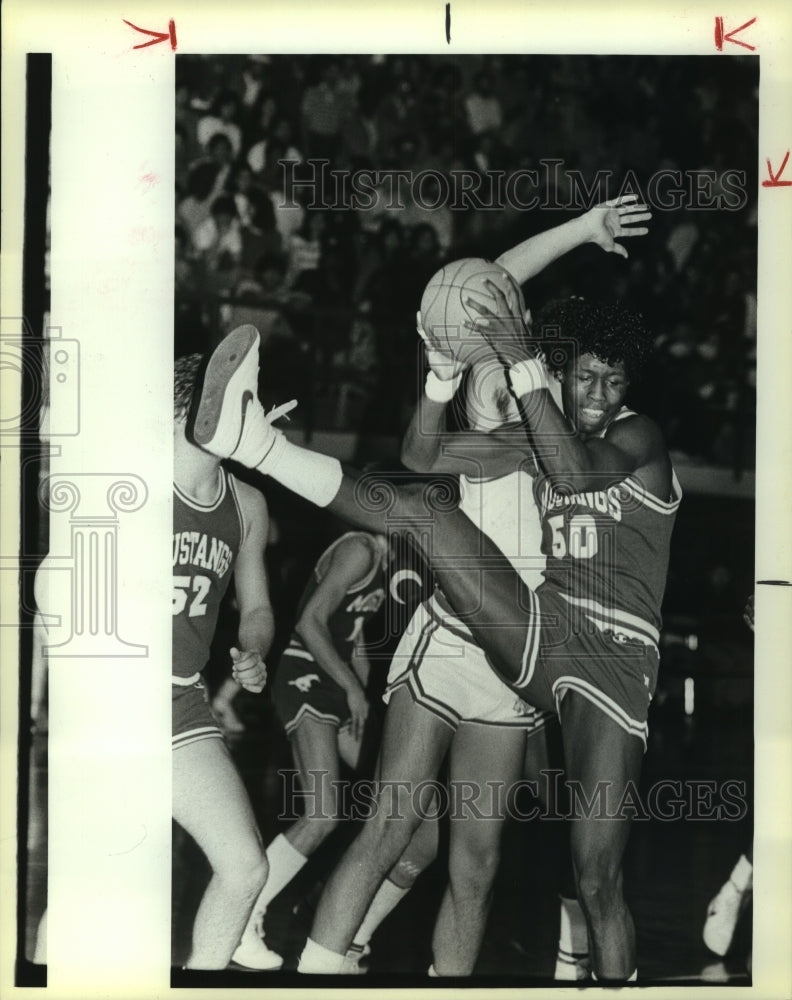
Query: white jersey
x,y
505,510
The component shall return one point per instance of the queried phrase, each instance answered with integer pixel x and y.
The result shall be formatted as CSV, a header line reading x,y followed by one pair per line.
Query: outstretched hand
x,y
616,219
503,330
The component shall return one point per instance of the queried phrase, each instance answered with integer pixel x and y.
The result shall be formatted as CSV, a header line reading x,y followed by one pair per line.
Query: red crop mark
x,y
728,36
775,178
158,36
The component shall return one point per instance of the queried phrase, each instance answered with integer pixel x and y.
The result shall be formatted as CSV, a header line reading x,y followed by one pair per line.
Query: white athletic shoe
x,y
572,966
722,915
356,960
229,420
253,953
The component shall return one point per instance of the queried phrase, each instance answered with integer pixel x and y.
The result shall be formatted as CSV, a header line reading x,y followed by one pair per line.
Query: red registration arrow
x,y
159,36
721,37
775,179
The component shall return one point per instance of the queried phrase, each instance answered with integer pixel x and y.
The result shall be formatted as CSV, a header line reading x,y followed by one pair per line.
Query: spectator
x,y
483,107
218,241
322,111
305,246
222,121
279,137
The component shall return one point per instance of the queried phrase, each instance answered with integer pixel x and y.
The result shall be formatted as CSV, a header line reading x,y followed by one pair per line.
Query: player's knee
x,y
386,834
244,871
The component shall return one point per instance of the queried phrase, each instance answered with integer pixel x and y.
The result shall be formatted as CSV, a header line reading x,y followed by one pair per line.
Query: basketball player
x,y
585,645
220,527
437,683
319,695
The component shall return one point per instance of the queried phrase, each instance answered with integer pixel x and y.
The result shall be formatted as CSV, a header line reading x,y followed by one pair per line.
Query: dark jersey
x,y
607,551
206,540
363,599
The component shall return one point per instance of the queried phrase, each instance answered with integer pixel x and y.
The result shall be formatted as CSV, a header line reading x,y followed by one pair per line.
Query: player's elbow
x,y
414,459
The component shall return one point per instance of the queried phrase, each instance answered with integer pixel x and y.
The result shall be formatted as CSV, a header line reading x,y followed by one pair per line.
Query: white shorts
x,y
439,663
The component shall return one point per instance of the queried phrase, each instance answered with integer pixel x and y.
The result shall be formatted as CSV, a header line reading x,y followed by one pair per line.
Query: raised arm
x,y
427,445
256,621
603,225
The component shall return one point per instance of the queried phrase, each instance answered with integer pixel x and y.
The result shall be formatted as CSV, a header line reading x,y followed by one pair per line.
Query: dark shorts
x,y
192,719
302,689
616,672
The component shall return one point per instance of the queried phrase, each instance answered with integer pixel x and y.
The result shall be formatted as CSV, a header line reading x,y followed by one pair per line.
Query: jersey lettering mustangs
x,y
607,552
206,540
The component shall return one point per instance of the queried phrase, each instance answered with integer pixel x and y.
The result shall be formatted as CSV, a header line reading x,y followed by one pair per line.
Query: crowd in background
x,y
334,289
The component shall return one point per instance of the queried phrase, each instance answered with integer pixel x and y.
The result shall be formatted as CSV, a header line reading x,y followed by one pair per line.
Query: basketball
x,y
443,309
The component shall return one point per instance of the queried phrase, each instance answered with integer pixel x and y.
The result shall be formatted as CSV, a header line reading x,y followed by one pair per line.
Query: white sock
x,y
388,896
630,979
284,863
309,474
316,960
742,874
573,934
432,972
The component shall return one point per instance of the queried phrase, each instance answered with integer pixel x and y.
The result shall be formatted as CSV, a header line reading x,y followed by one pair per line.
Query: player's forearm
x,y
257,630
533,255
360,663
421,445
560,450
317,640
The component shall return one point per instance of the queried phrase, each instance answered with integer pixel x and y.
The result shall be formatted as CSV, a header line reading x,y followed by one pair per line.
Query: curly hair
x,y
569,328
185,378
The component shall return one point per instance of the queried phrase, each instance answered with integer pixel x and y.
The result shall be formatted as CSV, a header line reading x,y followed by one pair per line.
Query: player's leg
x,y
419,853
230,422
414,743
486,761
544,758
315,751
604,760
211,804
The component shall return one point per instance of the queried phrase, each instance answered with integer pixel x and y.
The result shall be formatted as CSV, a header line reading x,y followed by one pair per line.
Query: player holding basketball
x,y
319,695
585,645
220,527
441,697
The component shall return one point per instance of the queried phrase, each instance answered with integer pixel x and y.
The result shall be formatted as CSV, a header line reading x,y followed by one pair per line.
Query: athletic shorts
x,y
615,670
439,663
301,688
192,719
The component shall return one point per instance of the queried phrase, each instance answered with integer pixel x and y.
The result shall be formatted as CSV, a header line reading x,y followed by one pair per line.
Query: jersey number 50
x,y
182,586
580,542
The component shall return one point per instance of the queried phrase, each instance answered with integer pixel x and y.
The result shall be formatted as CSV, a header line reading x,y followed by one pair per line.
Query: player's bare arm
x,y
603,225
256,620
351,562
584,441
428,447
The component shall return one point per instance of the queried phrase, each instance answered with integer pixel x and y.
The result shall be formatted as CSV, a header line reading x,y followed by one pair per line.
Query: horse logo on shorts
x,y
304,683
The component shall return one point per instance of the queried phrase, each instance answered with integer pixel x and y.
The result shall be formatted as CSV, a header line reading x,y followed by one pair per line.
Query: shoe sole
x,y
227,359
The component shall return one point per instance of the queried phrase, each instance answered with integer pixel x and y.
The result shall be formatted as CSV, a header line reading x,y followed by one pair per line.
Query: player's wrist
x,y
440,390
